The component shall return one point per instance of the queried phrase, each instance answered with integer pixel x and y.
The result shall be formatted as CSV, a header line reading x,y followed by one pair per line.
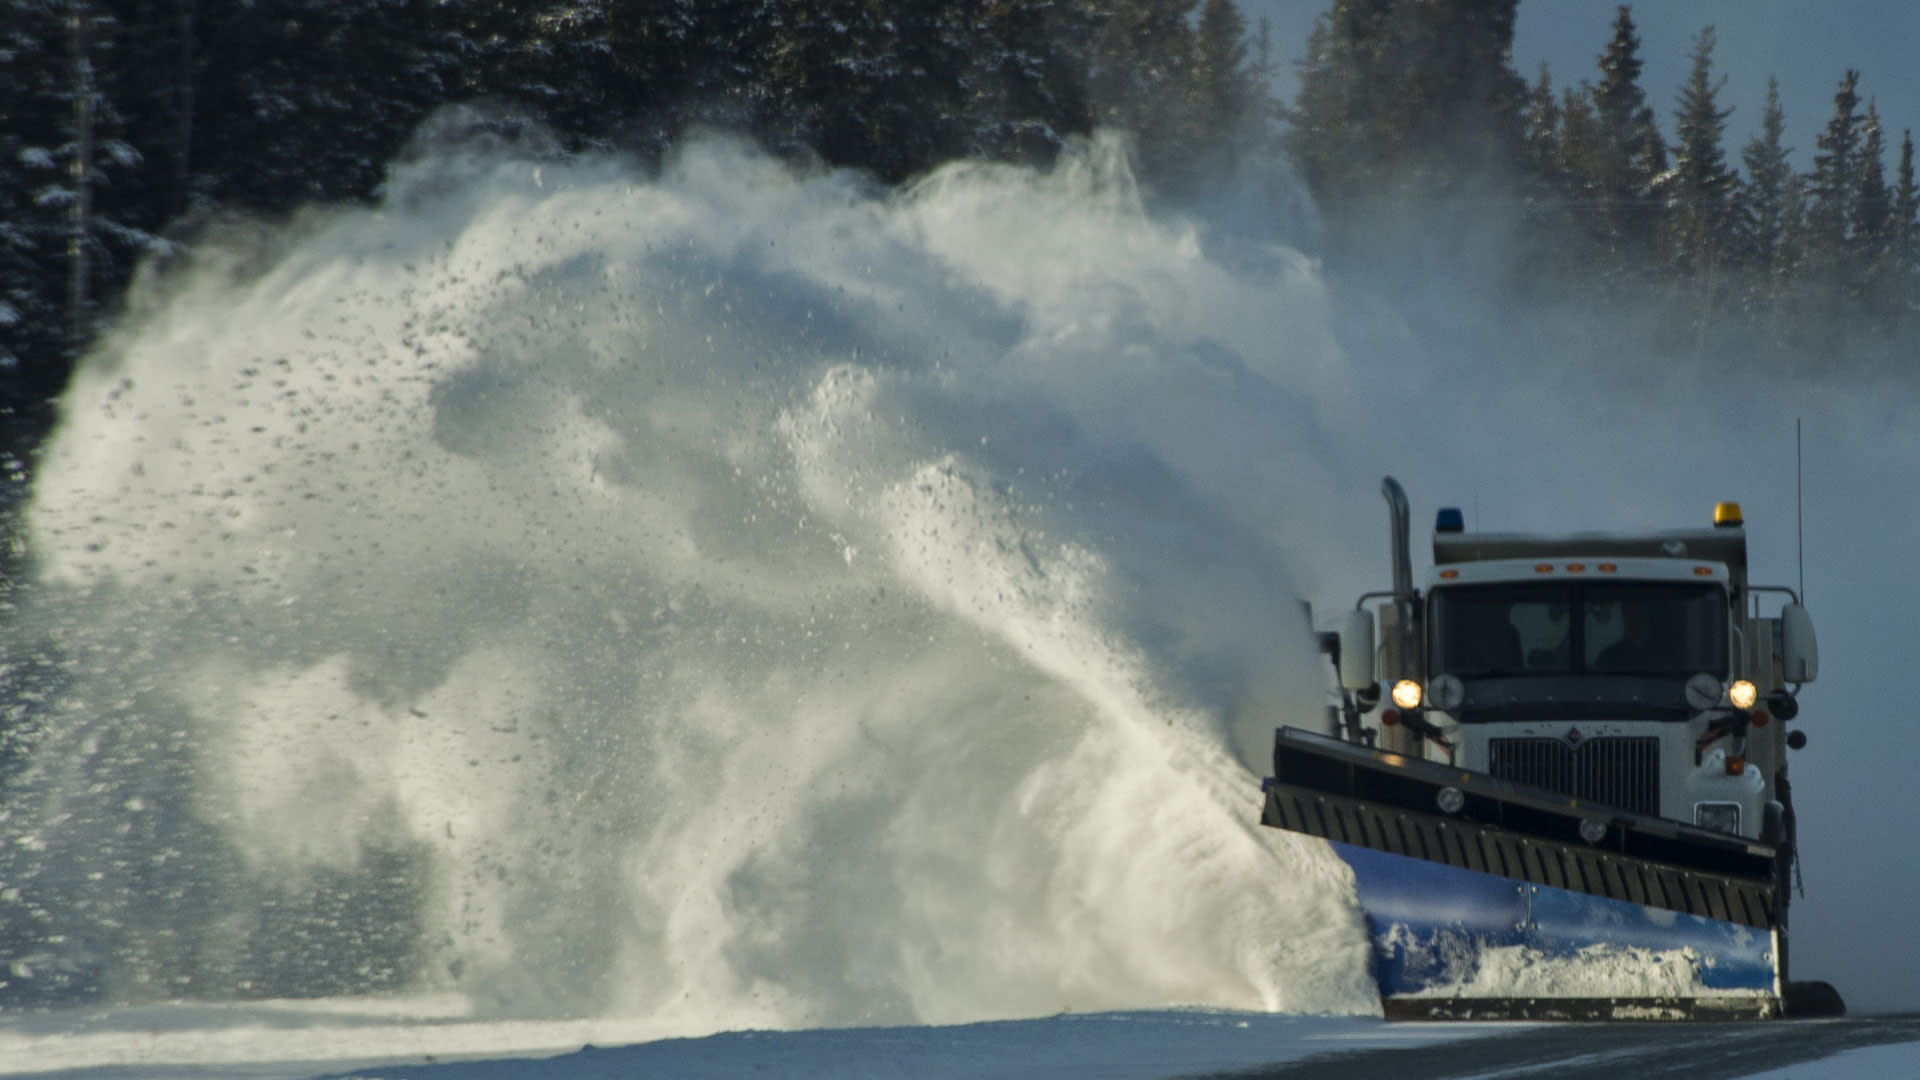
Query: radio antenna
x,y
1799,514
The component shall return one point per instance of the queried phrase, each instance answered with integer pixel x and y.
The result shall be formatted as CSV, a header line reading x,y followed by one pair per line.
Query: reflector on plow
x,y
1490,899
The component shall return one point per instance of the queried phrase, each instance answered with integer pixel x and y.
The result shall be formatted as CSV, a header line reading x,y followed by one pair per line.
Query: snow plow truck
x,y
1559,774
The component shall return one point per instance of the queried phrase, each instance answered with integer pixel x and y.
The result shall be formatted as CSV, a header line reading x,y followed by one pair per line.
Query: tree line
x,y
120,119
1414,102
123,122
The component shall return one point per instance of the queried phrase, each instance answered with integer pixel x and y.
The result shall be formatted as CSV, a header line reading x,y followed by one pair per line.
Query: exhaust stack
x,y
1399,515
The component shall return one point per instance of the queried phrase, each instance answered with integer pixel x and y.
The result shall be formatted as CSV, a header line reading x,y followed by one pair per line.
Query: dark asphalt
x,y
1642,1051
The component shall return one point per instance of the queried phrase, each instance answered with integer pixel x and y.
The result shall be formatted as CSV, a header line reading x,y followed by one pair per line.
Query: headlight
x,y
1718,816
1406,694
1742,694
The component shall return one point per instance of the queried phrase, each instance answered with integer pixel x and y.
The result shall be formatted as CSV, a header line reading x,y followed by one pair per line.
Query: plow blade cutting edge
x,y
1487,899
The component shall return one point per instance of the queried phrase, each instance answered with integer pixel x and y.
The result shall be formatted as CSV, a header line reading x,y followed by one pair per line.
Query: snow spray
x,y
736,597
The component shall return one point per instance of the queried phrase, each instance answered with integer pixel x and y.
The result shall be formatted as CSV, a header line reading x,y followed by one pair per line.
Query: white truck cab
x,y
1634,671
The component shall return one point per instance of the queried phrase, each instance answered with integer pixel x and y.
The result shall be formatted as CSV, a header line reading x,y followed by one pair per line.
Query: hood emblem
x,y
1573,736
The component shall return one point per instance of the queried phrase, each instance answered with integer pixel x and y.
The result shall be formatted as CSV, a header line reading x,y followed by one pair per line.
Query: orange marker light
x,y
1576,567
1736,764
1449,575
1543,568
1703,571
1608,568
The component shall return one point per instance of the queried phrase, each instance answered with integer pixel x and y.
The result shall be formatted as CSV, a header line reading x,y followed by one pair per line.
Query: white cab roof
x,y
1578,569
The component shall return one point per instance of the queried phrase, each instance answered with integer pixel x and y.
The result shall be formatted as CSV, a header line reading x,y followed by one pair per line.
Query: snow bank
x,y
417,1039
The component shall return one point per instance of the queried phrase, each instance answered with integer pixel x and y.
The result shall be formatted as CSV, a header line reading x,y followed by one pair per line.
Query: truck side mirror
x,y
1799,651
1356,650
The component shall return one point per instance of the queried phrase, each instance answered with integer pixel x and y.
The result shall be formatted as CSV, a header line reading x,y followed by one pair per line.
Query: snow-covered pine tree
x,y
66,244
1769,173
1578,149
1409,99
1905,231
1543,125
34,135
1869,258
1026,87
1631,153
1704,216
1834,184
1459,105
308,100
866,84
1224,96
919,114
1141,79
148,71
1336,127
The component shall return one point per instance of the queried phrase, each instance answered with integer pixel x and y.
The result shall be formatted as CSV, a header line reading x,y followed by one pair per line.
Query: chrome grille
x,y
1622,772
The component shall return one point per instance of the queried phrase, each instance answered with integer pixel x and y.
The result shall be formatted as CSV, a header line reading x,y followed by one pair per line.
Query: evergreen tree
x,y
1795,233
1229,87
573,62
1336,134
918,118
1631,154
1409,98
1905,229
1028,78
1220,56
1873,206
1833,185
866,84
67,241
1703,192
35,105
1460,105
1794,309
1769,173
1141,80
1579,147
147,72
307,100
1543,125
1869,264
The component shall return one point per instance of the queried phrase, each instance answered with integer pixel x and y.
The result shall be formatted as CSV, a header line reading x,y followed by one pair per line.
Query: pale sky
x,y
1806,44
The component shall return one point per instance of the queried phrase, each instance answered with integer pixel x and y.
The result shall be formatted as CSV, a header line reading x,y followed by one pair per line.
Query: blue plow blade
x,y
1489,899
1432,926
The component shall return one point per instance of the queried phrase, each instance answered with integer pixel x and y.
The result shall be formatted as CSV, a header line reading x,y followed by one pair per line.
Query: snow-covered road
x,y
428,1040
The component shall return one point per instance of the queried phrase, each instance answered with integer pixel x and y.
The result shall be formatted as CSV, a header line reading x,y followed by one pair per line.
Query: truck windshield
x,y
1562,628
